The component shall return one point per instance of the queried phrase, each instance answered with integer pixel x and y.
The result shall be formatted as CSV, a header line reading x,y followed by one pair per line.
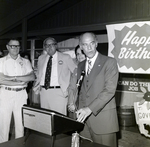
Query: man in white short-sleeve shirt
x,y
15,73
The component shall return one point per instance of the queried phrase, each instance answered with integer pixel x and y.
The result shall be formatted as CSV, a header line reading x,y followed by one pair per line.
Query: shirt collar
x,y
94,58
54,56
9,57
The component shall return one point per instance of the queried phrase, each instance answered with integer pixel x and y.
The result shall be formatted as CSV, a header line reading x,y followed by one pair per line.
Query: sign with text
x,y
142,115
132,84
129,44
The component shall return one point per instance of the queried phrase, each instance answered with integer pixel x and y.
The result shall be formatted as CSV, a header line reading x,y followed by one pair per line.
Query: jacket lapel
x,y
96,69
59,64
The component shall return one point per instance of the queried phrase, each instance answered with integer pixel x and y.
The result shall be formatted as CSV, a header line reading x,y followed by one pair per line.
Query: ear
x,y
96,43
7,47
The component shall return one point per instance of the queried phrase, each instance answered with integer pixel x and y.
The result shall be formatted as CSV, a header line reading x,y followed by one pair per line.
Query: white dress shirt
x,y
92,62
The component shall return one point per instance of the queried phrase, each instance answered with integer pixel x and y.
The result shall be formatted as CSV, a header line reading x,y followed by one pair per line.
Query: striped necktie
x,y
48,73
89,67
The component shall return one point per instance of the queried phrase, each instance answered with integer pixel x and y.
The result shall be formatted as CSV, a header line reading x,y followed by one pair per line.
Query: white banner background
x,y
129,44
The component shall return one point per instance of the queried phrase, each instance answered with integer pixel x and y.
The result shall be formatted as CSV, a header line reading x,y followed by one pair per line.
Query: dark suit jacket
x,y
97,93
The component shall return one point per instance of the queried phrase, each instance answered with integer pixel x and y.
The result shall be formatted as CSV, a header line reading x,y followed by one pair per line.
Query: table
x,y
36,139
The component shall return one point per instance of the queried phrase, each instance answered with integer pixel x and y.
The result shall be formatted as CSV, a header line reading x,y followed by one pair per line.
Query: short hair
x,y
94,36
76,48
13,39
49,38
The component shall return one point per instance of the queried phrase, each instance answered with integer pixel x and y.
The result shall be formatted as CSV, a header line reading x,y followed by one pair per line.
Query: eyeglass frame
x,y
14,46
50,45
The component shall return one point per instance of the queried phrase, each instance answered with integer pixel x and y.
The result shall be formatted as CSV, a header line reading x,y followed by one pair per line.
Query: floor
x,y
127,137
131,137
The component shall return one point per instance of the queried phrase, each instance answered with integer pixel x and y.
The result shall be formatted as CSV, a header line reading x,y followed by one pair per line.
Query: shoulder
x,y
42,56
2,59
107,58
64,56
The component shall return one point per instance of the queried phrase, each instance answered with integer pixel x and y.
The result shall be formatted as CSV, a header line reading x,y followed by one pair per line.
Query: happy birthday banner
x,y
129,44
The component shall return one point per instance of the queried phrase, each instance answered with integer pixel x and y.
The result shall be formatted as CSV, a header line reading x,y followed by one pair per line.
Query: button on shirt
x,y
18,67
54,71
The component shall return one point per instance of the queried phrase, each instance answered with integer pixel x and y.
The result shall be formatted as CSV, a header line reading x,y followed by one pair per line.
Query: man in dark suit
x,y
97,106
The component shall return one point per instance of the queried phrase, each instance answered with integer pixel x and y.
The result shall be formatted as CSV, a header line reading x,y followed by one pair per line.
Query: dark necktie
x,y
48,73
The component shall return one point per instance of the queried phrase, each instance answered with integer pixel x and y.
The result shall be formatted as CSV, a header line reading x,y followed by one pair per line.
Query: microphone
x,y
81,78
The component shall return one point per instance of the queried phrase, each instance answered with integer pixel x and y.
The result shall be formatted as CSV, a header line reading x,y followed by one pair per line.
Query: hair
x,y
76,48
94,36
13,39
49,38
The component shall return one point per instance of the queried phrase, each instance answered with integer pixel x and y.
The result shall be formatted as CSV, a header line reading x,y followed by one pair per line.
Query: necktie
x,y
48,73
89,67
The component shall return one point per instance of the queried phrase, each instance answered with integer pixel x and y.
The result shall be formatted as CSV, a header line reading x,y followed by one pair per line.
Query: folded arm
x,y
16,80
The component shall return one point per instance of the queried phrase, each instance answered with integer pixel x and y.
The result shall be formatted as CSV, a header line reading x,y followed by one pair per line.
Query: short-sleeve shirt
x,y
18,67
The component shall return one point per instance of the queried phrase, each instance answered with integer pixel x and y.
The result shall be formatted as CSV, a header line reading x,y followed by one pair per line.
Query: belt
x,y
15,89
51,87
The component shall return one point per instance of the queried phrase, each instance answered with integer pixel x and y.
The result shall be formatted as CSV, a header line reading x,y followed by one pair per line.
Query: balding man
x,y
58,66
97,106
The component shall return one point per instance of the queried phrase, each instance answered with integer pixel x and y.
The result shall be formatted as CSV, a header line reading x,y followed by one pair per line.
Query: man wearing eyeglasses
x,y
54,95
15,73
97,106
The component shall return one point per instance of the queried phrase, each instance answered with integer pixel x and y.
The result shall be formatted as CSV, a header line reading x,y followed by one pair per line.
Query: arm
x,y
105,96
109,88
18,80
71,64
9,80
36,85
72,92
26,78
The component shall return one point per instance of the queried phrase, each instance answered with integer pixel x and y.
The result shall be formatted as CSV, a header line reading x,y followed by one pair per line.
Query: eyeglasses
x,y
50,45
14,46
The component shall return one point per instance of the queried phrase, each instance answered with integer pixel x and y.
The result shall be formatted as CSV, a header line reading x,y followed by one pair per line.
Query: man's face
x,y
50,47
89,44
13,47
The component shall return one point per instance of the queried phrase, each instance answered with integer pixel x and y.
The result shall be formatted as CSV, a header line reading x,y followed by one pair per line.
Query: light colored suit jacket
x,y
65,67
97,93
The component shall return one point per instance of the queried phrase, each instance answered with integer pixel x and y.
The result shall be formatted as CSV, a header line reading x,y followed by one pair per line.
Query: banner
x,y
129,44
133,84
142,115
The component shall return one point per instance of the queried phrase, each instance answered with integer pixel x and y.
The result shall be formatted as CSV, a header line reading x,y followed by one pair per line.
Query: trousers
x,y
53,99
104,139
11,102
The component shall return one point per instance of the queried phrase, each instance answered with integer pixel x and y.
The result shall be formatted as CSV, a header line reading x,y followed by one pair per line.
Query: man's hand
x,y
71,107
83,113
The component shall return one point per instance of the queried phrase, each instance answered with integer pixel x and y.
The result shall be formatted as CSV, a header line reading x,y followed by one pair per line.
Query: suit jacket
x,y
65,67
97,93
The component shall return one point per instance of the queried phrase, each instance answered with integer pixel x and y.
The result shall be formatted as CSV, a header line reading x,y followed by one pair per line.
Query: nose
x,y
89,47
